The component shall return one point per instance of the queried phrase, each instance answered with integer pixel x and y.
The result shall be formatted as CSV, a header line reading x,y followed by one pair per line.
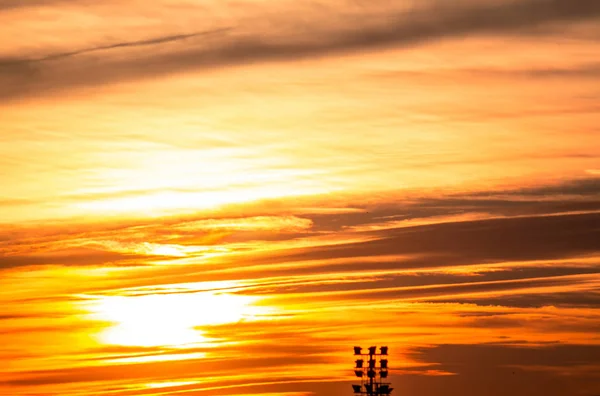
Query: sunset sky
x,y
223,197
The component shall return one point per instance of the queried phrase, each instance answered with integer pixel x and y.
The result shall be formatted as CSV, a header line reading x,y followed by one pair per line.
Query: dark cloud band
x,y
440,21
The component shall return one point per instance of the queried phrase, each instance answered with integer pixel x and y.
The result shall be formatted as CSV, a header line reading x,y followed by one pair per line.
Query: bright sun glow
x,y
173,202
169,319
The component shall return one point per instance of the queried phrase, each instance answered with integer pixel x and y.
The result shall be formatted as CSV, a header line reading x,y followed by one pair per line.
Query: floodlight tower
x,y
372,376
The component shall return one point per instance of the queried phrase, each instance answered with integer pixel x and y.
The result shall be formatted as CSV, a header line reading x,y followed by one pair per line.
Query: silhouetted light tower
x,y
372,376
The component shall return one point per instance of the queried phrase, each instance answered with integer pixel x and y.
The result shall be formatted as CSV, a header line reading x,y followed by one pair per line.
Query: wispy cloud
x,y
223,196
545,222
510,363
242,45
126,44
10,4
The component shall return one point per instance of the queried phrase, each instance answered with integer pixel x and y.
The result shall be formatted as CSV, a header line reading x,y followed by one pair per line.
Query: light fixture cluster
x,y
371,373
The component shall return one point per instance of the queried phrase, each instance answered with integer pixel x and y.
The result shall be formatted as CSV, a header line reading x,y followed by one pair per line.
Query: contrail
x,y
126,44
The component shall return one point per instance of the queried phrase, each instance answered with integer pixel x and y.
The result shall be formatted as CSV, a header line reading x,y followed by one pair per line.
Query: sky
x,y
223,197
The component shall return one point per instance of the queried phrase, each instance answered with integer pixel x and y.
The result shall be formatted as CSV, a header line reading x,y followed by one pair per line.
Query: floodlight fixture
x,y
372,369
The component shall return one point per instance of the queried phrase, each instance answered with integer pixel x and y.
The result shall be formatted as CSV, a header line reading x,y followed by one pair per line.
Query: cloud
x,y
563,369
537,223
482,241
583,187
214,368
72,257
126,44
11,4
581,299
578,71
446,292
442,285
134,242
567,196
243,45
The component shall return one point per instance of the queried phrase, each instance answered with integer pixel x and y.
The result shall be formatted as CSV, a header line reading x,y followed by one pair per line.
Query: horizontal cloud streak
x,y
427,166
559,367
581,299
13,4
395,236
126,44
522,238
438,22
359,280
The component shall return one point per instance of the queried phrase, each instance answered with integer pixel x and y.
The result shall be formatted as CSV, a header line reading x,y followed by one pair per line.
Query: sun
x,y
172,319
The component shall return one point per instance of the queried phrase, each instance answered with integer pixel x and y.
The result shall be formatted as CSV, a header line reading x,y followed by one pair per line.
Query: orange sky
x,y
204,197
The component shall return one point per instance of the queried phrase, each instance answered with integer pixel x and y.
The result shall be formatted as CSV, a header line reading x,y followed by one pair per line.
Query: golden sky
x,y
218,197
